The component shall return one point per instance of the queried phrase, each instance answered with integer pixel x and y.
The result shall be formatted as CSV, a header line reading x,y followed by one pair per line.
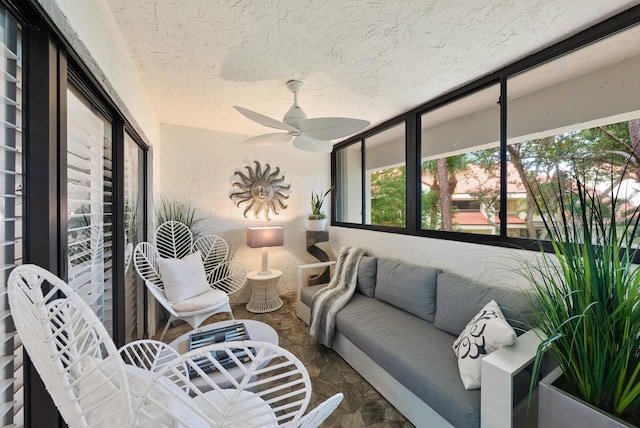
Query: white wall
x,y
486,264
198,166
90,28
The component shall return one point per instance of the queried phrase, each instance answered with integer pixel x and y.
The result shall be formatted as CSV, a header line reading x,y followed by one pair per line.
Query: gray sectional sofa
x,y
398,329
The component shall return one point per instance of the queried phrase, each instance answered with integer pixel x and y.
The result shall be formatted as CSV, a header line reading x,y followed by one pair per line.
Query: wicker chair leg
x,y
166,327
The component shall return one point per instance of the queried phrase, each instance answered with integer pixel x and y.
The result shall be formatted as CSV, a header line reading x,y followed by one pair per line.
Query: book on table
x,y
231,333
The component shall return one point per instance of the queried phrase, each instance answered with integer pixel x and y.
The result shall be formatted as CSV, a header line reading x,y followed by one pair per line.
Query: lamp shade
x,y
260,237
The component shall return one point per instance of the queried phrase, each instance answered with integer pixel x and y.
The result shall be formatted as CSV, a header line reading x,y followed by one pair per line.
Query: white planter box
x,y
559,409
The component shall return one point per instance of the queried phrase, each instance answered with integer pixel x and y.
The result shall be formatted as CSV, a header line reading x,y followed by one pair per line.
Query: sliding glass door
x,y
133,224
89,205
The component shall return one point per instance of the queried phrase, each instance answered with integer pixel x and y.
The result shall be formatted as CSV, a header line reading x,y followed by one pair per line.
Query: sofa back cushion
x,y
367,271
460,299
408,287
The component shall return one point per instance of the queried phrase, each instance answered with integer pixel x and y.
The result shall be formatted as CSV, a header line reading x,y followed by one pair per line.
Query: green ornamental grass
x,y
178,211
587,291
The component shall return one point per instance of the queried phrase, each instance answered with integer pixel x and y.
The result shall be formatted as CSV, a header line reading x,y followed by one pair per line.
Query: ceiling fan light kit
x,y
311,135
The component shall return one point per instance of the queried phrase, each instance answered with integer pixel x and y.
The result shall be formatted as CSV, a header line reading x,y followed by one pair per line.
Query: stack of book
x,y
231,333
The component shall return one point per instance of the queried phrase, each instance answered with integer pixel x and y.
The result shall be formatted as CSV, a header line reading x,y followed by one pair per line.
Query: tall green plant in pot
x,y
587,292
317,216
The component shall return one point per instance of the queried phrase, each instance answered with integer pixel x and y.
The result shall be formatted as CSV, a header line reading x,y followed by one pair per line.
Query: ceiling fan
x,y
312,135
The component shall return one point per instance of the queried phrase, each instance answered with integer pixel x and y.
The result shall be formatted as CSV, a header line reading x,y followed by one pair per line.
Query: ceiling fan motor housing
x,y
295,114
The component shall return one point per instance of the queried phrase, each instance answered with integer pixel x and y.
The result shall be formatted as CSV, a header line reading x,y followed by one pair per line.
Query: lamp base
x,y
265,256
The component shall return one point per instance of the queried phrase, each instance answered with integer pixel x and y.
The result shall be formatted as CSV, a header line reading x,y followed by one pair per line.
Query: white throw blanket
x,y
330,299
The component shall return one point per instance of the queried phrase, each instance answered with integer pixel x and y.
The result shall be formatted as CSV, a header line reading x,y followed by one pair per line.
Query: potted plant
x,y
317,217
587,299
178,211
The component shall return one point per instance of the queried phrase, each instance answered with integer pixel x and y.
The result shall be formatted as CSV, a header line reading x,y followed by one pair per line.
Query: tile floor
x,y
362,406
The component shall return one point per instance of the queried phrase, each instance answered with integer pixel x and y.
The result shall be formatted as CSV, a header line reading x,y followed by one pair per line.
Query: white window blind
x,y
89,194
11,206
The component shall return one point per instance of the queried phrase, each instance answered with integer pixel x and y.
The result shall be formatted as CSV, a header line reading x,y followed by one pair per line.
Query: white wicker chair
x,y
93,387
317,416
248,384
173,240
128,255
70,349
214,250
226,275
151,355
145,259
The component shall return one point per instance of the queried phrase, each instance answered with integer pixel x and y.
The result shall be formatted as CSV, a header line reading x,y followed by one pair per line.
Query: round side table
x,y
264,291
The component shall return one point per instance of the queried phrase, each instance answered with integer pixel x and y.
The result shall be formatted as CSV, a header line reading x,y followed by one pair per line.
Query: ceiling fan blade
x,y
330,128
268,139
265,120
309,144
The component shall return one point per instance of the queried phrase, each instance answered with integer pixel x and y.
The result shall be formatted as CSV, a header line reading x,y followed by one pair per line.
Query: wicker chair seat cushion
x,y
210,298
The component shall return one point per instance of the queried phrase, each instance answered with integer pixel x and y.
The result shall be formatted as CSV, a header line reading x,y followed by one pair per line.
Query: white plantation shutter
x,y
89,195
107,218
11,206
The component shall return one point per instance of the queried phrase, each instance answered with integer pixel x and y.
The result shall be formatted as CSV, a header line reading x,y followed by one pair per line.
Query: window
x,y
577,114
480,157
460,164
386,178
371,180
348,191
11,206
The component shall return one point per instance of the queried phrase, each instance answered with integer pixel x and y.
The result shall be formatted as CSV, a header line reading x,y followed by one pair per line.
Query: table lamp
x,y
265,237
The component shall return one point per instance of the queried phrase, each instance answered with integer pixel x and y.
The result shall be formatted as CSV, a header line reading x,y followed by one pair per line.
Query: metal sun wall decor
x,y
261,190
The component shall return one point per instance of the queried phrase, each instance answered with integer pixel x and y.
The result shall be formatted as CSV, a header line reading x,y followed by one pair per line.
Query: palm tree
x,y
440,176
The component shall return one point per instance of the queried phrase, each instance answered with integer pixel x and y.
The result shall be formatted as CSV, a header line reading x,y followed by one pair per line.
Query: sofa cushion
x,y
408,287
367,271
460,299
414,352
485,333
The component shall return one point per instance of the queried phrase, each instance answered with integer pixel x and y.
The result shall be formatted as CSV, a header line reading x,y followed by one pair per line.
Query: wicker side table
x,y
264,291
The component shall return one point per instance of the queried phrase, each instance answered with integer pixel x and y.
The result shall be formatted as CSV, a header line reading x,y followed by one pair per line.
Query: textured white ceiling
x,y
370,59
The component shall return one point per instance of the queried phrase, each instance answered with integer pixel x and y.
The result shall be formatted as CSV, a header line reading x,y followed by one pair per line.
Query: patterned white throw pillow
x,y
485,333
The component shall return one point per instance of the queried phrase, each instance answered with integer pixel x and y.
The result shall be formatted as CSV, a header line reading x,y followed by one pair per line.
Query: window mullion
x,y
413,162
503,158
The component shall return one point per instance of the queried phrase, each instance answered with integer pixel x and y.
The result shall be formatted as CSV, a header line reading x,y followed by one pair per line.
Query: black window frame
x,y
48,57
608,27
